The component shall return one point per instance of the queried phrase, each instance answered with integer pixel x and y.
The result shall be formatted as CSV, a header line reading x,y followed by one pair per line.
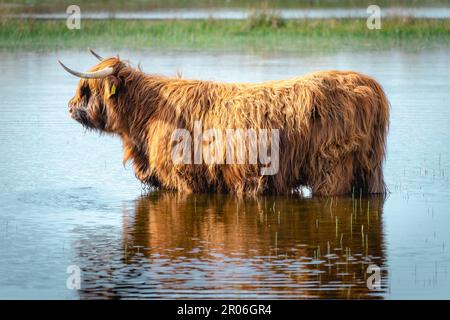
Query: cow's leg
x,y
369,169
375,181
334,179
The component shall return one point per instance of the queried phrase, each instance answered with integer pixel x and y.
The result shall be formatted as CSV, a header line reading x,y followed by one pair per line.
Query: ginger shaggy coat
x,y
332,125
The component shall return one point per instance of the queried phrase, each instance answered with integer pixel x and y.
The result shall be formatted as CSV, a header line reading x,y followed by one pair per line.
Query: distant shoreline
x,y
265,33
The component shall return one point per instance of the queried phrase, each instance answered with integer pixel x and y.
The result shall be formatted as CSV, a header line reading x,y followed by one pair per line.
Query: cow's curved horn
x,y
95,54
89,75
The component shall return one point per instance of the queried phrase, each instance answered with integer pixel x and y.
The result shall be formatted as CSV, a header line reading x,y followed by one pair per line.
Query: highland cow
x,y
332,127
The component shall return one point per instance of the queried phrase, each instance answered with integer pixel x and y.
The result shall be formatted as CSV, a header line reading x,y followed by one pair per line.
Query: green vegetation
x,y
257,34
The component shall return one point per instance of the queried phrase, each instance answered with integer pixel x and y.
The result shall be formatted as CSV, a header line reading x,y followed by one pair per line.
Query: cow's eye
x,y
86,92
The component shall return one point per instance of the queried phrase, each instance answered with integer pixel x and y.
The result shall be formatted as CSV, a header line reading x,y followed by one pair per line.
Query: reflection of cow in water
x,y
217,246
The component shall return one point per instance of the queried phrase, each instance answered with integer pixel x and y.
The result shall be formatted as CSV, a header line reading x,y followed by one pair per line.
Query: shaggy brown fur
x,y
333,127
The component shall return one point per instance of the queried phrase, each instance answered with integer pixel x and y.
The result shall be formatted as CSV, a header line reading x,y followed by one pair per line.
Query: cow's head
x,y
95,104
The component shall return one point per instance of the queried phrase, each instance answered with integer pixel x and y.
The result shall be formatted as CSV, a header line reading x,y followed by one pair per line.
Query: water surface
x,y
238,14
66,199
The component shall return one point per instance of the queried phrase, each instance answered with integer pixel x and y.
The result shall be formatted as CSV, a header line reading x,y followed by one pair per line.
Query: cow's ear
x,y
111,87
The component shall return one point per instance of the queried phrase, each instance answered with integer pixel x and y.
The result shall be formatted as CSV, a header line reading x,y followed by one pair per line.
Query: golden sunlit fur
x,y
333,127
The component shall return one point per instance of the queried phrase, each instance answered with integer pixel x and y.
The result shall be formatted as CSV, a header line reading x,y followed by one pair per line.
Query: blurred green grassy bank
x,y
260,32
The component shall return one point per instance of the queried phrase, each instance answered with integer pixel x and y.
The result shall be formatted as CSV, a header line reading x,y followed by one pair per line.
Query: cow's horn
x,y
89,75
95,54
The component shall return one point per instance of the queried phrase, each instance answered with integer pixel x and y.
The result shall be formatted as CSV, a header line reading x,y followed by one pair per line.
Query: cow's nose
x,y
71,108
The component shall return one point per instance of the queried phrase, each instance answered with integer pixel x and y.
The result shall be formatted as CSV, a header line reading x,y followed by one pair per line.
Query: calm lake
x,y
66,199
220,13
